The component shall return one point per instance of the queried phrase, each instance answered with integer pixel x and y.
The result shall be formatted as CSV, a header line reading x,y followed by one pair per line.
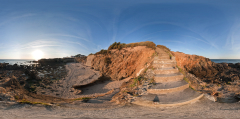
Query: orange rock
x,y
122,63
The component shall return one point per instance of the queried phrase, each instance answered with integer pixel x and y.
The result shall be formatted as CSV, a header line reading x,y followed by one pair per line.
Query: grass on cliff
x,y
185,78
24,101
119,46
148,44
103,52
181,70
163,47
136,81
83,98
166,49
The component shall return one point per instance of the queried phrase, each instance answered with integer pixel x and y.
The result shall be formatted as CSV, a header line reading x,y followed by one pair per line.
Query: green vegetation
x,y
24,101
186,79
170,54
154,54
152,81
116,45
228,83
136,81
181,70
163,47
191,88
145,70
135,95
149,44
103,52
119,46
83,98
166,49
133,85
16,97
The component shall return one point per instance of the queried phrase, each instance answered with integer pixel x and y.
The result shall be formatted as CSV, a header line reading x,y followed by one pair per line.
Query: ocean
x,y
226,60
17,61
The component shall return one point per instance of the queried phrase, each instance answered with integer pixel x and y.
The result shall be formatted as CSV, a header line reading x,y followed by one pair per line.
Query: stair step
x,y
164,57
168,87
170,99
161,78
164,61
163,65
166,71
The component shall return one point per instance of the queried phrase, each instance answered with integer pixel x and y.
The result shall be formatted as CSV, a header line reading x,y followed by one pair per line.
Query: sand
x,y
204,108
80,75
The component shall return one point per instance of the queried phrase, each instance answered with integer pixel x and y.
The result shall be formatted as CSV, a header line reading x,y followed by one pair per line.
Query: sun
x,y
37,54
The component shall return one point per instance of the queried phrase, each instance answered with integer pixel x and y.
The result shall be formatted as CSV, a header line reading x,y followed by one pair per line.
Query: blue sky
x,y
62,28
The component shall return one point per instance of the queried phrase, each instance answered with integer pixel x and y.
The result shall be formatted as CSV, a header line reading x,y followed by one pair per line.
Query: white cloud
x,y
66,35
233,39
9,20
39,44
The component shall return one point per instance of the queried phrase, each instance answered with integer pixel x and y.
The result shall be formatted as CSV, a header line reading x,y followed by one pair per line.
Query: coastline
x,y
70,82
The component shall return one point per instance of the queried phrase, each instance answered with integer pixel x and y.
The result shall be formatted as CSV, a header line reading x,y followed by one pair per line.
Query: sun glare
x,y
37,54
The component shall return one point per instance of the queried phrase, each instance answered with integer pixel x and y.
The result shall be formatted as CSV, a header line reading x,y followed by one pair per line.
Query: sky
x,y
60,28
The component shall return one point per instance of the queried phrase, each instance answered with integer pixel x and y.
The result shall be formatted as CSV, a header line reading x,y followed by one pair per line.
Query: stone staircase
x,y
170,89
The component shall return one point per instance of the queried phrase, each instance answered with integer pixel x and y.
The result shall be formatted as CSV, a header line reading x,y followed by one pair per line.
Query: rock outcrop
x,y
207,70
218,80
119,64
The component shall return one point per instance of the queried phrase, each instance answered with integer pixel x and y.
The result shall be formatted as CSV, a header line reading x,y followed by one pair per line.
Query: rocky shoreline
x,y
52,78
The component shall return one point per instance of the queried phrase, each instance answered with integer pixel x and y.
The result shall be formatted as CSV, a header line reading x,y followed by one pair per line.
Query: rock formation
x,y
207,70
119,64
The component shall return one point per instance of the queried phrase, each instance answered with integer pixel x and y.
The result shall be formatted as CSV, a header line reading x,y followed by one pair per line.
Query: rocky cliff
x,y
118,64
207,70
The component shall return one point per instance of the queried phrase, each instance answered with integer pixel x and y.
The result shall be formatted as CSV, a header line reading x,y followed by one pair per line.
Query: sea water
x,y
17,61
226,60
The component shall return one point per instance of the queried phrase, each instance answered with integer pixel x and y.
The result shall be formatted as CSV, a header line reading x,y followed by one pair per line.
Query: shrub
x,y
119,46
116,45
163,47
149,44
107,60
103,52
166,49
